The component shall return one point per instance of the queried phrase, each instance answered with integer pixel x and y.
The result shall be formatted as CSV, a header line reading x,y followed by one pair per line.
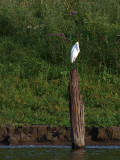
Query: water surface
x,y
50,152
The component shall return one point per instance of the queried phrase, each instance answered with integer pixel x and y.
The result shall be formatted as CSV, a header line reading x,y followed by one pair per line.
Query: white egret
x,y
75,51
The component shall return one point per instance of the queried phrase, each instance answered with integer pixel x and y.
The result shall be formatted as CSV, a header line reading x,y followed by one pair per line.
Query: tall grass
x,y
36,37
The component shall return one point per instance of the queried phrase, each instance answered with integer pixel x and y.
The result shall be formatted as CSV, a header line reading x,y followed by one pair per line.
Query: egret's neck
x,y
78,47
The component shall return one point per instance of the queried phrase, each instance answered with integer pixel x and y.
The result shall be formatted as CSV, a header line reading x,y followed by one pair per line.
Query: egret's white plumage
x,y
75,51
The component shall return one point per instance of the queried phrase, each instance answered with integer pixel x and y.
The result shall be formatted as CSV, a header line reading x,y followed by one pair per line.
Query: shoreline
x,y
92,143
46,135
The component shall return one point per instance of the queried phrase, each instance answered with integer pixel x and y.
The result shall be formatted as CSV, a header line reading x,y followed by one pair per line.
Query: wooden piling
x,y
76,107
118,38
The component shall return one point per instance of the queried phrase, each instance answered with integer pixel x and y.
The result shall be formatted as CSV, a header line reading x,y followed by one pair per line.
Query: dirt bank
x,y
39,134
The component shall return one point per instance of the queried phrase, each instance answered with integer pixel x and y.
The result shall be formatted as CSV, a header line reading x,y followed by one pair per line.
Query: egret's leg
x,y
74,65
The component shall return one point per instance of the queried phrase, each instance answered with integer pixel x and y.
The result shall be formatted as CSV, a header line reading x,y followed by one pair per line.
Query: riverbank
x,y
35,61
43,134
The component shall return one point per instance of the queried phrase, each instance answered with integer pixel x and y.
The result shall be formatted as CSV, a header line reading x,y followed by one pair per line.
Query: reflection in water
x,y
42,152
78,154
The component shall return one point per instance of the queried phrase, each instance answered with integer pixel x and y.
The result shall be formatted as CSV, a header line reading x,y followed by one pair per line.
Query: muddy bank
x,y
39,134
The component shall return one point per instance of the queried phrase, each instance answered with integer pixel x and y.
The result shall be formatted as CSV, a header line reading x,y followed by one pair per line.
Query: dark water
x,y
43,152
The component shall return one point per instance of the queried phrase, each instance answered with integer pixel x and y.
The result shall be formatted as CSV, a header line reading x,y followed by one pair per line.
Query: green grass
x,y
35,41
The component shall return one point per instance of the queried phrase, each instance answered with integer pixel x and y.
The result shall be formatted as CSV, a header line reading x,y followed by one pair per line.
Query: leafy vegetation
x,y
36,37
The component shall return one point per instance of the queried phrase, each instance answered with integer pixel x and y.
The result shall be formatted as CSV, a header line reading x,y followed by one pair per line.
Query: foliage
x,y
36,37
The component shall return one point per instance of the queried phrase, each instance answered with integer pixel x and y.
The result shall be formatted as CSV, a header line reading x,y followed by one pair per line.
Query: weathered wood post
x,y
76,107
118,38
